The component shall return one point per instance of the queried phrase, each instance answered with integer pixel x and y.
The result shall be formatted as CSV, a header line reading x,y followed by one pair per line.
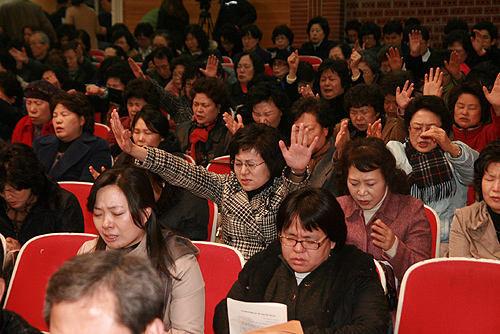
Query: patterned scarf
x,y
200,133
431,178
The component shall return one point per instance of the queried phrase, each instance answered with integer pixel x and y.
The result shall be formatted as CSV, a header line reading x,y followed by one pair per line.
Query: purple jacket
x,y
405,216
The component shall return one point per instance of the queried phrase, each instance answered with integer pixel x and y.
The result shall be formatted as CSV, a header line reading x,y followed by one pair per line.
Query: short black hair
x,y
144,29
393,26
362,95
317,107
456,24
154,119
472,88
314,209
352,25
461,37
119,33
77,103
251,29
283,29
266,91
121,71
11,87
394,79
487,25
344,47
215,90
163,52
119,51
142,89
323,23
433,104
264,140
85,37
338,66
366,155
370,28
490,154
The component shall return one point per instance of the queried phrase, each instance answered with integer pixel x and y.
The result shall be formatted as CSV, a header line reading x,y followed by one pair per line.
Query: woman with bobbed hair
x,y
328,286
197,44
475,228
73,148
439,170
31,203
381,218
318,30
128,222
124,39
206,136
249,196
282,39
249,66
471,107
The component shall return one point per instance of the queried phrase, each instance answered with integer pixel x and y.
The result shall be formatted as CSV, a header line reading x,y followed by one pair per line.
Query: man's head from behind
x,y
105,292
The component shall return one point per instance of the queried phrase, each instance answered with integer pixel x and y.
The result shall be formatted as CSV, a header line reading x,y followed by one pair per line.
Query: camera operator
x,y
234,12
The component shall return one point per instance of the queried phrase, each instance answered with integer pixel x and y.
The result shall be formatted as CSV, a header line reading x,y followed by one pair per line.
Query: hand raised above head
x,y
298,155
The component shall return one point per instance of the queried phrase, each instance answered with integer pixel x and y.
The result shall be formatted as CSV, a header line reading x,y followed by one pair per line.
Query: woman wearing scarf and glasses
x,y
206,137
439,170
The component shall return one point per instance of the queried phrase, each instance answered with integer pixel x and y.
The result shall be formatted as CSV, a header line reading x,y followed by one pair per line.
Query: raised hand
x,y
94,90
341,138
293,64
299,154
231,124
454,65
21,57
354,62
12,244
415,38
96,174
136,69
382,235
395,61
433,83
494,96
211,68
477,42
375,129
403,96
306,92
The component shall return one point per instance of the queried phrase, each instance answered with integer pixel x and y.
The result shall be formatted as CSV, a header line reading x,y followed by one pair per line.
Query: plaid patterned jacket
x,y
248,226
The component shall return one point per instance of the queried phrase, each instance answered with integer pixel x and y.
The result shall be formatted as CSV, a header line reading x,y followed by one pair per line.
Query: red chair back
x,y
101,130
455,295
227,60
220,165
213,212
269,70
220,265
313,60
436,231
82,190
38,259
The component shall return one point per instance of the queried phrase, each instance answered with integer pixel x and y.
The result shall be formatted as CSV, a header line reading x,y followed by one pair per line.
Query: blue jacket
x,y
87,150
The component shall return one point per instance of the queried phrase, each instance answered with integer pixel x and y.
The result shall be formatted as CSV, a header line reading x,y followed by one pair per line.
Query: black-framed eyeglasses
x,y
307,244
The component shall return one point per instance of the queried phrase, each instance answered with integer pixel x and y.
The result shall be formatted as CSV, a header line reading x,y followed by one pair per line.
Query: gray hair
x,y
43,37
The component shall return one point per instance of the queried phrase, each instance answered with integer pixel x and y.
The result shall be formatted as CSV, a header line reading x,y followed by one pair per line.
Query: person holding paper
x,y
328,286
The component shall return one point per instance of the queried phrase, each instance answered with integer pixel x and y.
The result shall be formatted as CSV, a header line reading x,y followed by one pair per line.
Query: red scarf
x,y
200,133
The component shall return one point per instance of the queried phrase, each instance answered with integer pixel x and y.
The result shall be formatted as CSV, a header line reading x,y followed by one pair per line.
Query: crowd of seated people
x,y
380,121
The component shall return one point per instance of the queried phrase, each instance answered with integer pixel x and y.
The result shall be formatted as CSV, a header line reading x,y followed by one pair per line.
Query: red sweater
x,y
477,138
23,133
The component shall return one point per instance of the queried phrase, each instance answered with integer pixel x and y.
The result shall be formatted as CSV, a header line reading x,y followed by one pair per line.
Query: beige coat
x,y
85,18
473,234
185,296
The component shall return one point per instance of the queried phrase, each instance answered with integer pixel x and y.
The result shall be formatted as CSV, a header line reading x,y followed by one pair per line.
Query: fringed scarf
x,y
431,178
200,133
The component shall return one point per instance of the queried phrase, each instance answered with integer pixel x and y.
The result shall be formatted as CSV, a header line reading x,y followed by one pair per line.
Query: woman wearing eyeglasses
x,y
249,197
330,287
439,170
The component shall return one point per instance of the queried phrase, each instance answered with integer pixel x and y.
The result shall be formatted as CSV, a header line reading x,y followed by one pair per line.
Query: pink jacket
x,y
405,216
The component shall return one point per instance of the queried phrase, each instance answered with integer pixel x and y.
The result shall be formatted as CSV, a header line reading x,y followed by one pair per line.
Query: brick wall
x,y
433,14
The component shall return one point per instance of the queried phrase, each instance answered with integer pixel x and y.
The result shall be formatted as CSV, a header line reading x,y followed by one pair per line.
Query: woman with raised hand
x,y
249,197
